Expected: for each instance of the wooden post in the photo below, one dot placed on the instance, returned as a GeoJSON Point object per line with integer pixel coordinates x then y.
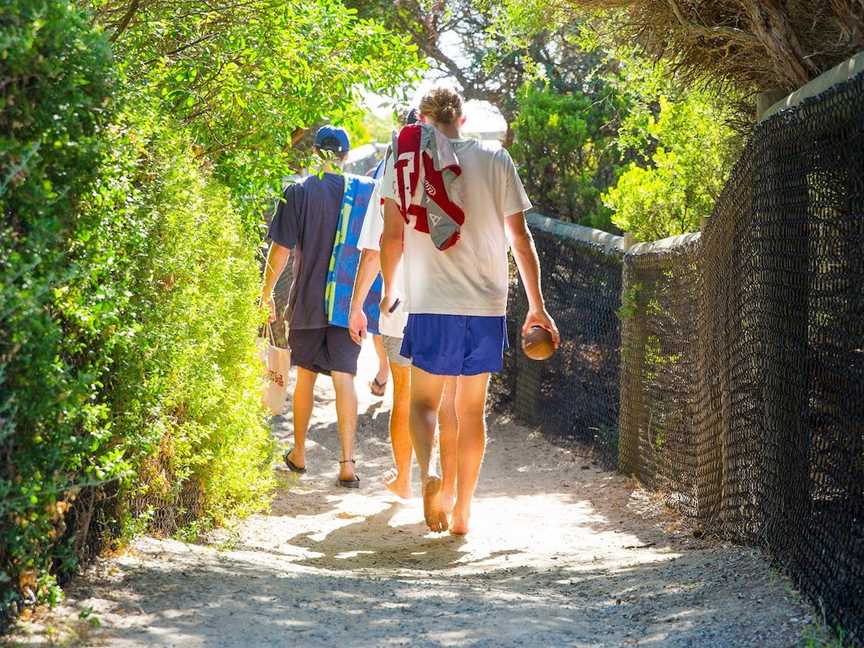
{"type": "Point", "coordinates": [764, 101]}
{"type": "Point", "coordinates": [629, 240]}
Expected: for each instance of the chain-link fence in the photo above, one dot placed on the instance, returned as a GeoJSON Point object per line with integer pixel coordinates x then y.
{"type": "Point", "coordinates": [658, 360]}
{"type": "Point", "coordinates": [741, 352]}
{"type": "Point", "coordinates": [574, 394]}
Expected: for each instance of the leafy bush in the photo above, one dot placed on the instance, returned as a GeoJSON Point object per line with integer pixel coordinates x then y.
{"type": "Point", "coordinates": [565, 152]}
{"type": "Point", "coordinates": [183, 277]}
{"type": "Point", "coordinates": [55, 77]}
{"type": "Point", "coordinates": [128, 377]}
{"type": "Point", "coordinates": [130, 193]}
{"type": "Point", "coordinates": [245, 78]}
{"type": "Point", "coordinates": [672, 188]}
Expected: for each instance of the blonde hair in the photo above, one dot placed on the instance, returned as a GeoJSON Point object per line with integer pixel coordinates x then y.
{"type": "Point", "coordinates": [441, 105]}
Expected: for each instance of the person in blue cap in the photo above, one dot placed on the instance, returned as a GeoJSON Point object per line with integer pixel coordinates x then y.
{"type": "Point", "coordinates": [305, 221]}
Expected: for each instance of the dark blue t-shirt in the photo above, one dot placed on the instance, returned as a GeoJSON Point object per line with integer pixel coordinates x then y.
{"type": "Point", "coordinates": [306, 221]}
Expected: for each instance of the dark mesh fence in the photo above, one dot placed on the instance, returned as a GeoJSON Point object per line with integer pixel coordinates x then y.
{"type": "Point", "coordinates": [574, 395]}
{"type": "Point", "coordinates": [659, 362]}
{"type": "Point", "coordinates": [741, 353]}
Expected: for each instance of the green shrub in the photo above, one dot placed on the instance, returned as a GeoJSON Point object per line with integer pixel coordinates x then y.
{"type": "Point", "coordinates": [677, 184]}
{"type": "Point", "coordinates": [184, 274]}
{"type": "Point", "coordinates": [131, 194]}
{"type": "Point", "coordinates": [128, 376]}
{"type": "Point", "coordinates": [565, 152]}
{"type": "Point", "coordinates": [244, 78]}
{"type": "Point", "coordinates": [55, 78]}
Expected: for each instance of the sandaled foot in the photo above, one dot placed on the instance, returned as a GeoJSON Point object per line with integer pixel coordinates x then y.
{"type": "Point", "coordinates": [347, 478]}
{"type": "Point", "coordinates": [377, 387]}
{"type": "Point", "coordinates": [399, 487]}
{"type": "Point", "coordinates": [289, 461]}
{"type": "Point", "coordinates": [433, 511]}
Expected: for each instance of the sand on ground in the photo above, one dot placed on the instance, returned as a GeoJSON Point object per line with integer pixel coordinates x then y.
{"type": "Point", "coordinates": [561, 553]}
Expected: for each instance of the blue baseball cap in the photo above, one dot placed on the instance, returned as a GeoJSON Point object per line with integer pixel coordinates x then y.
{"type": "Point", "coordinates": [332, 138]}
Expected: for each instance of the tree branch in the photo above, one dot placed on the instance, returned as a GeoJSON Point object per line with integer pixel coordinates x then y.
{"type": "Point", "coordinates": [125, 20]}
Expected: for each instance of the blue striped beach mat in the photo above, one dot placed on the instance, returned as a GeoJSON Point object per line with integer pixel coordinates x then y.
{"type": "Point", "coordinates": [346, 257]}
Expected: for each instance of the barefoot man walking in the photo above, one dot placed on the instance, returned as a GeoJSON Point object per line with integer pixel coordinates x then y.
{"type": "Point", "coordinates": [456, 293]}
{"type": "Point", "coordinates": [392, 327]}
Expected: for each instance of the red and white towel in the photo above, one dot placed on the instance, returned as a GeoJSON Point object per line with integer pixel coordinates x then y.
{"type": "Point", "coordinates": [428, 183]}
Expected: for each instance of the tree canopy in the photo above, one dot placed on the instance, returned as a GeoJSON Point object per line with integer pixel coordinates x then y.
{"type": "Point", "coordinates": [245, 78]}
{"type": "Point", "coordinates": [467, 40]}
{"type": "Point", "coordinates": [749, 45]}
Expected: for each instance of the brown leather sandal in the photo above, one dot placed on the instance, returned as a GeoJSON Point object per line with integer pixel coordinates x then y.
{"type": "Point", "coordinates": [349, 483]}
{"type": "Point", "coordinates": [301, 470]}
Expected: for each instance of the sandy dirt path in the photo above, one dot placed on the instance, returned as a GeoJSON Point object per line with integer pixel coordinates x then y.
{"type": "Point", "coordinates": [560, 554]}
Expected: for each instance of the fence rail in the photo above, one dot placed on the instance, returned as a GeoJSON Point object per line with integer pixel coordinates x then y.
{"type": "Point", "coordinates": [728, 367]}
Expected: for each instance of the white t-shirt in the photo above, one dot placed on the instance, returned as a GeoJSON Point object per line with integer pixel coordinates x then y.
{"type": "Point", "coordinates": [471, 277]}
{"type": "Point", "coordinates": [390, 324]}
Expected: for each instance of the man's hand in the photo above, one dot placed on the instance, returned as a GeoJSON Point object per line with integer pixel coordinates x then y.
{"type": "Point", "coordinates": [357, 325]}
{"type": "Point", "coordinates": [544, 320]}
{"type": "Point", "coordinates": [268, 303]}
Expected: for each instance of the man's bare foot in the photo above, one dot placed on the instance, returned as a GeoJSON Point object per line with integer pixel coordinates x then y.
{"type": "Point", "coordinates": [459, 521]}
{"type": "Point", "coordinates": [436, 518]}
{"type": "Point", "coordinates": [399, 487]}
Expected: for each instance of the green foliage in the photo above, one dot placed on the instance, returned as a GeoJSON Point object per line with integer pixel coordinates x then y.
{"type": "Point", "coordinates": [685, 153]}
{"type": "Point", "coordinates": [681, 146]}
{"type": "Point", "coordinates": [55, 78]}
{"type": "Point", "coordinates": [673, 147]}
{"type": "Point", "coordinates": [565, 151]}
{"type": "Point", "coordinates": [246, 78]}
{"type": "Point", "coordinates": [821, 635]}
{"type": "Point", "coordinates": [630, 301]}
{"type": "Point", "coordinates": [371, 128]}
{"type": "Point", "coordinates": [174, 259]}
{"type": "Point", "coordinates": [471, 42]}
{"type": "Point", "coordinates": [134, 368]}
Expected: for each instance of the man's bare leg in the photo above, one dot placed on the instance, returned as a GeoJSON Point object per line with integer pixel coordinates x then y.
{"type": "Point", "coordinates": [471, 409]}
{"type": "Point", "coordinates": [304, 389]}
{"type": "Point", "coordinates": [449, 443]}
{"type": "Point", "coordinates": [426, 392]}
{"type": "Point", "coordinates": [346, 420]}
{"type": "Point", "coordinates": [383, 361]}
{"type": "Point", "coordinates": [399, 480]}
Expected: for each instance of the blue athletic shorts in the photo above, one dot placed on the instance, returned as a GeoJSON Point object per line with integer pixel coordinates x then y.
{"type": "Point", "coordinates": [455, 345]}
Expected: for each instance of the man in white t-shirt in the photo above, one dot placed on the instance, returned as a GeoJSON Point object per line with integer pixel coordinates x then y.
{"type": "Point", "coordinates": [391, 326]}
{"type": "Point", "coordinates": [457, 300]}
